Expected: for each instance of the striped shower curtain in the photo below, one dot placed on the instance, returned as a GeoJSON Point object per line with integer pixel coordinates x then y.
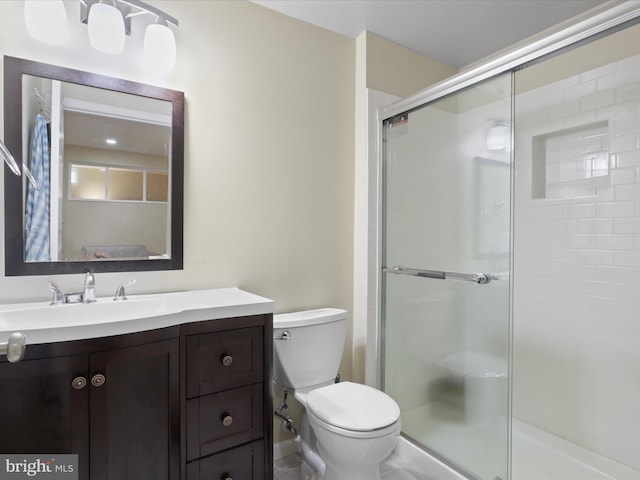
{"type": "Point", "coordinates": [37, 208]}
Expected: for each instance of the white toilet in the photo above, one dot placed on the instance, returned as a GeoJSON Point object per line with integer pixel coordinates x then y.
{"type": "Point", "coordinates": [353, 427]}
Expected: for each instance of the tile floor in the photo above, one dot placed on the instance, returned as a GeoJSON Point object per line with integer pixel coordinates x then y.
{"type": "Point", "coordinates": [288, 468]}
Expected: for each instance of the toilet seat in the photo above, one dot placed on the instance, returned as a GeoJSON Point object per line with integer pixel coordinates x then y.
{"type": "Point", "coordinates": [353, 407]}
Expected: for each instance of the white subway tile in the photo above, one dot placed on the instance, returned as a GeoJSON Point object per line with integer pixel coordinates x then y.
{"type": "Point", "coordinates": [627, 192]}
{"type": "Point", "coordinates": [595, 225]}
{"type": "Point", "coordinates": [581, 241]}
{"type": "Point", "coordinates": [596, 257]}
{"type": "Point", "coordinates": [628, 92]}
{"type": "Point", "coordinates": [619, 110]}
{"type": "Point", "coordinates": [624, 126]}
{"type": "Point", "coordinates": [627, 258]}
{"type": "Point", "coordinates": [627, 225]}
{"type": "Point", "coordinates": [628, 159]}
{"type": "Point", "coordinates": [614, 241]}
{"type": "Point", "coordinates": [579, 90]}
{"type": "Point", "coordinates": [597, 101]}
{"type": "Point", "coordinates": [615, 209]}
{"type": "Point", "coordinates": [564, 110]}
{"type": "Point", "coordinates": [599, 72]}
{"type": "Point", "coordinates": [622, 176]}
{"type": "Point", "coordinates": [623, 143]}
{"type": "Point", "coordinates": [621, 78]}
{"type": "Point", "coordinates": [628, 275]}
{"type": "Point", "coordinates": [584, 210]}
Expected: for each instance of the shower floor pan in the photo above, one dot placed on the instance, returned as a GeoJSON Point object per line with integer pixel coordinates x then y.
{"type": "Point", "coordinates": [536, 454]}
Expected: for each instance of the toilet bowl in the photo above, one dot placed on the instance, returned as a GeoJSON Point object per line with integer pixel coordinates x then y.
{"type": "Point", "coordinates": [356, 428]}
{"type": "Point", "coordinates": [347, 429]}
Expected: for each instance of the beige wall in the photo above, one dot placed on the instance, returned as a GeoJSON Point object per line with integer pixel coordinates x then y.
{"type": "Point", "coordinates": [269, 150]}
{"type": "Point", "coordinates": [394, 69]}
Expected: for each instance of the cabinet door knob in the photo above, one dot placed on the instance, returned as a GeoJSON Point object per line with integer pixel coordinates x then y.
{"type": "Point", "coordinates": [227, 420]}
{"type": "Point", "coordinates": [79, 383]}
{"type": "Point", "coordinates": [225, 476]}
{"type": "Point", "coordinates": [98, 380]}
{"type": "Point", "coordinates": [227, 360]}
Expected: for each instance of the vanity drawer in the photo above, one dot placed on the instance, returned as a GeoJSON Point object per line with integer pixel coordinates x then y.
{"type": "Point", "coordinates": [223, 360]}
{"type": "Point", "coordinates": [223, 420]}
{"type": "Point", "coordinates": [240, 463]}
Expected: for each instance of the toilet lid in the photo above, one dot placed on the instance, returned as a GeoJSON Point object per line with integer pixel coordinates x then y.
{"type": "Point", "coordinates": [353, 406]}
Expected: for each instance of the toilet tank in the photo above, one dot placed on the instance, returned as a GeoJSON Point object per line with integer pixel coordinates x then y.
{"type": "Point", "coordinates": [312, 354]}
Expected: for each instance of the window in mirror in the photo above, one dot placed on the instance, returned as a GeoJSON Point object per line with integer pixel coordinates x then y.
{"type": "Point", "coordinates": [107, 183]}
{"type": "Point", "coordinates": [125, 184]}
{"type": "Point", "coordinates": [87, 182]}
{"type": "Point", "coordinates": [157, 187]}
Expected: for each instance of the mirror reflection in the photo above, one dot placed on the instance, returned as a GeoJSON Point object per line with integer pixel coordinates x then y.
{"type": "Point", "coordinates": [107, 195]}
{"type": "Point", "coordinates": [103, 172]}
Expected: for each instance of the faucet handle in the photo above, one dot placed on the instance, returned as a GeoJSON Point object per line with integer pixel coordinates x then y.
{"type": "Point", "coordinates": [57, 297]}
{"type": "Point", "coordinates": [120, 293]}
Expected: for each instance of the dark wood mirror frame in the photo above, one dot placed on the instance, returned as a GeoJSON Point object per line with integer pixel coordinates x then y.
{"type": "Point", "coordinates": [14, 69]}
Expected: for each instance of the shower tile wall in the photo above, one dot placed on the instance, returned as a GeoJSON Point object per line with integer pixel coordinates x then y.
{"type": "Point", "coordinates": [577, 266]}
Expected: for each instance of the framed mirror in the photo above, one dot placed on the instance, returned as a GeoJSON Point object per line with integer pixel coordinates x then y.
{"type": "Point", "coordinates": [103, 170]}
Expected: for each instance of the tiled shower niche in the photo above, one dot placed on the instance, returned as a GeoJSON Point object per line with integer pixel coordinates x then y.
{"type": "Point", "coordinates": [571, 163]}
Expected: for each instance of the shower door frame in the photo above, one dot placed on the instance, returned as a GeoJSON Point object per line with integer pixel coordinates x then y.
{"type": "Point", "coordinates": [600, 20]}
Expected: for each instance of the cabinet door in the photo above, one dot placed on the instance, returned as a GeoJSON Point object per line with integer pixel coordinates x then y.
{"type": "Point", "coordinates": [135, 413]}
{"type": "Point", "coordinates": [41, 410]}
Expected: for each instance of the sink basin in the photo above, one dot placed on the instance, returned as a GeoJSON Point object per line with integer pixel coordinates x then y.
{"type": "Point", "coordinates": [44, 323]}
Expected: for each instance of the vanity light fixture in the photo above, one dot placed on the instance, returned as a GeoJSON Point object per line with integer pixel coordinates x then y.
{"type": "Point", "coordinates": [159, 46]}
{"type": "Point", "coordinates": [46, 20]}
{"type": "Point", "coordinates": [108, 24]}
{"type": "Point", "coordinates": [109, 21]}
{"type": "Point", "coordinates": [105, 25]}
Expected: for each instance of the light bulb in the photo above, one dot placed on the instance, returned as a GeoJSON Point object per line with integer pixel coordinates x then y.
{"type": "Point", "coordinates": [46, 20]}
{"type": "Point", "coordinates": [106, 28]}
{"type": "Point", "coordinates": [159, 48]}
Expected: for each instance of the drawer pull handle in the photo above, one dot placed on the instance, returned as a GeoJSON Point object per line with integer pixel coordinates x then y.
{"type": "Point", "coordinates": [227, 420]}
{"type": "Point", "coordinates": [79, 383]}
{"type": "Point", "coordinates": [98, 380]}
{"type": "Point", "coordinates": [227, 360]}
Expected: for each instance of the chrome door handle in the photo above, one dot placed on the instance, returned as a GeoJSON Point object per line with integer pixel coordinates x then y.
{"type": "Point", "coordinates": [285, 336]}
{"type": "Point", "coordinates": [14, 347]}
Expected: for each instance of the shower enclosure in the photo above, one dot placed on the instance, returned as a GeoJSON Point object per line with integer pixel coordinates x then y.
{"type": "Point", "coordinates": [510, 251]}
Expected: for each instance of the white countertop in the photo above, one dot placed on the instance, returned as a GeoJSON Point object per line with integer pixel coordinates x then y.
{"type": "Point", "coordinates": [44, 323]}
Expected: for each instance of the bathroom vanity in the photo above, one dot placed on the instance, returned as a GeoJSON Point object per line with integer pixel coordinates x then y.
{"type": "Point", "coordinates": [168, 386]}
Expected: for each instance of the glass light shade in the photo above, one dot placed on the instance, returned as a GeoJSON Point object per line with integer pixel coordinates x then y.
{"type": "Point", "coordinates": [106, 28]}
{"type": "Point", "coordinates": [46, 20]}
{"type": "Point", "coordinates": [159, 48]}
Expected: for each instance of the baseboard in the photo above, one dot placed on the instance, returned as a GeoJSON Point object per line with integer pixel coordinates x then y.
{"type": "Point", "coordinates": [285, 448]}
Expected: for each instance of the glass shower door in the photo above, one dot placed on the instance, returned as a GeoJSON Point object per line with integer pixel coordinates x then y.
{"type": "Point", "coordinates": [446, 259]}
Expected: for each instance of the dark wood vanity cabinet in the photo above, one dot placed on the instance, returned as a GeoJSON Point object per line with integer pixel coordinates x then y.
{"type": "Point", "coordinates": [186, 402]}
{"type": "Point", "coordinates": [227, 399]}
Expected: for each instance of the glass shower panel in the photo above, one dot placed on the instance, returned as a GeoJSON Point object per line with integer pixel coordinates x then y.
{"type": "Point", "coordinates": [446, 204]}
{"type": "Point", "coordinates": [576, 257]}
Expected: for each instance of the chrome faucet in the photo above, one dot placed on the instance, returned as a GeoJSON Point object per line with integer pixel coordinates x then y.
{"type": "Point", "coordinates": [89, 293]}
{"type": "Point", "coordinates": [120, 293]}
